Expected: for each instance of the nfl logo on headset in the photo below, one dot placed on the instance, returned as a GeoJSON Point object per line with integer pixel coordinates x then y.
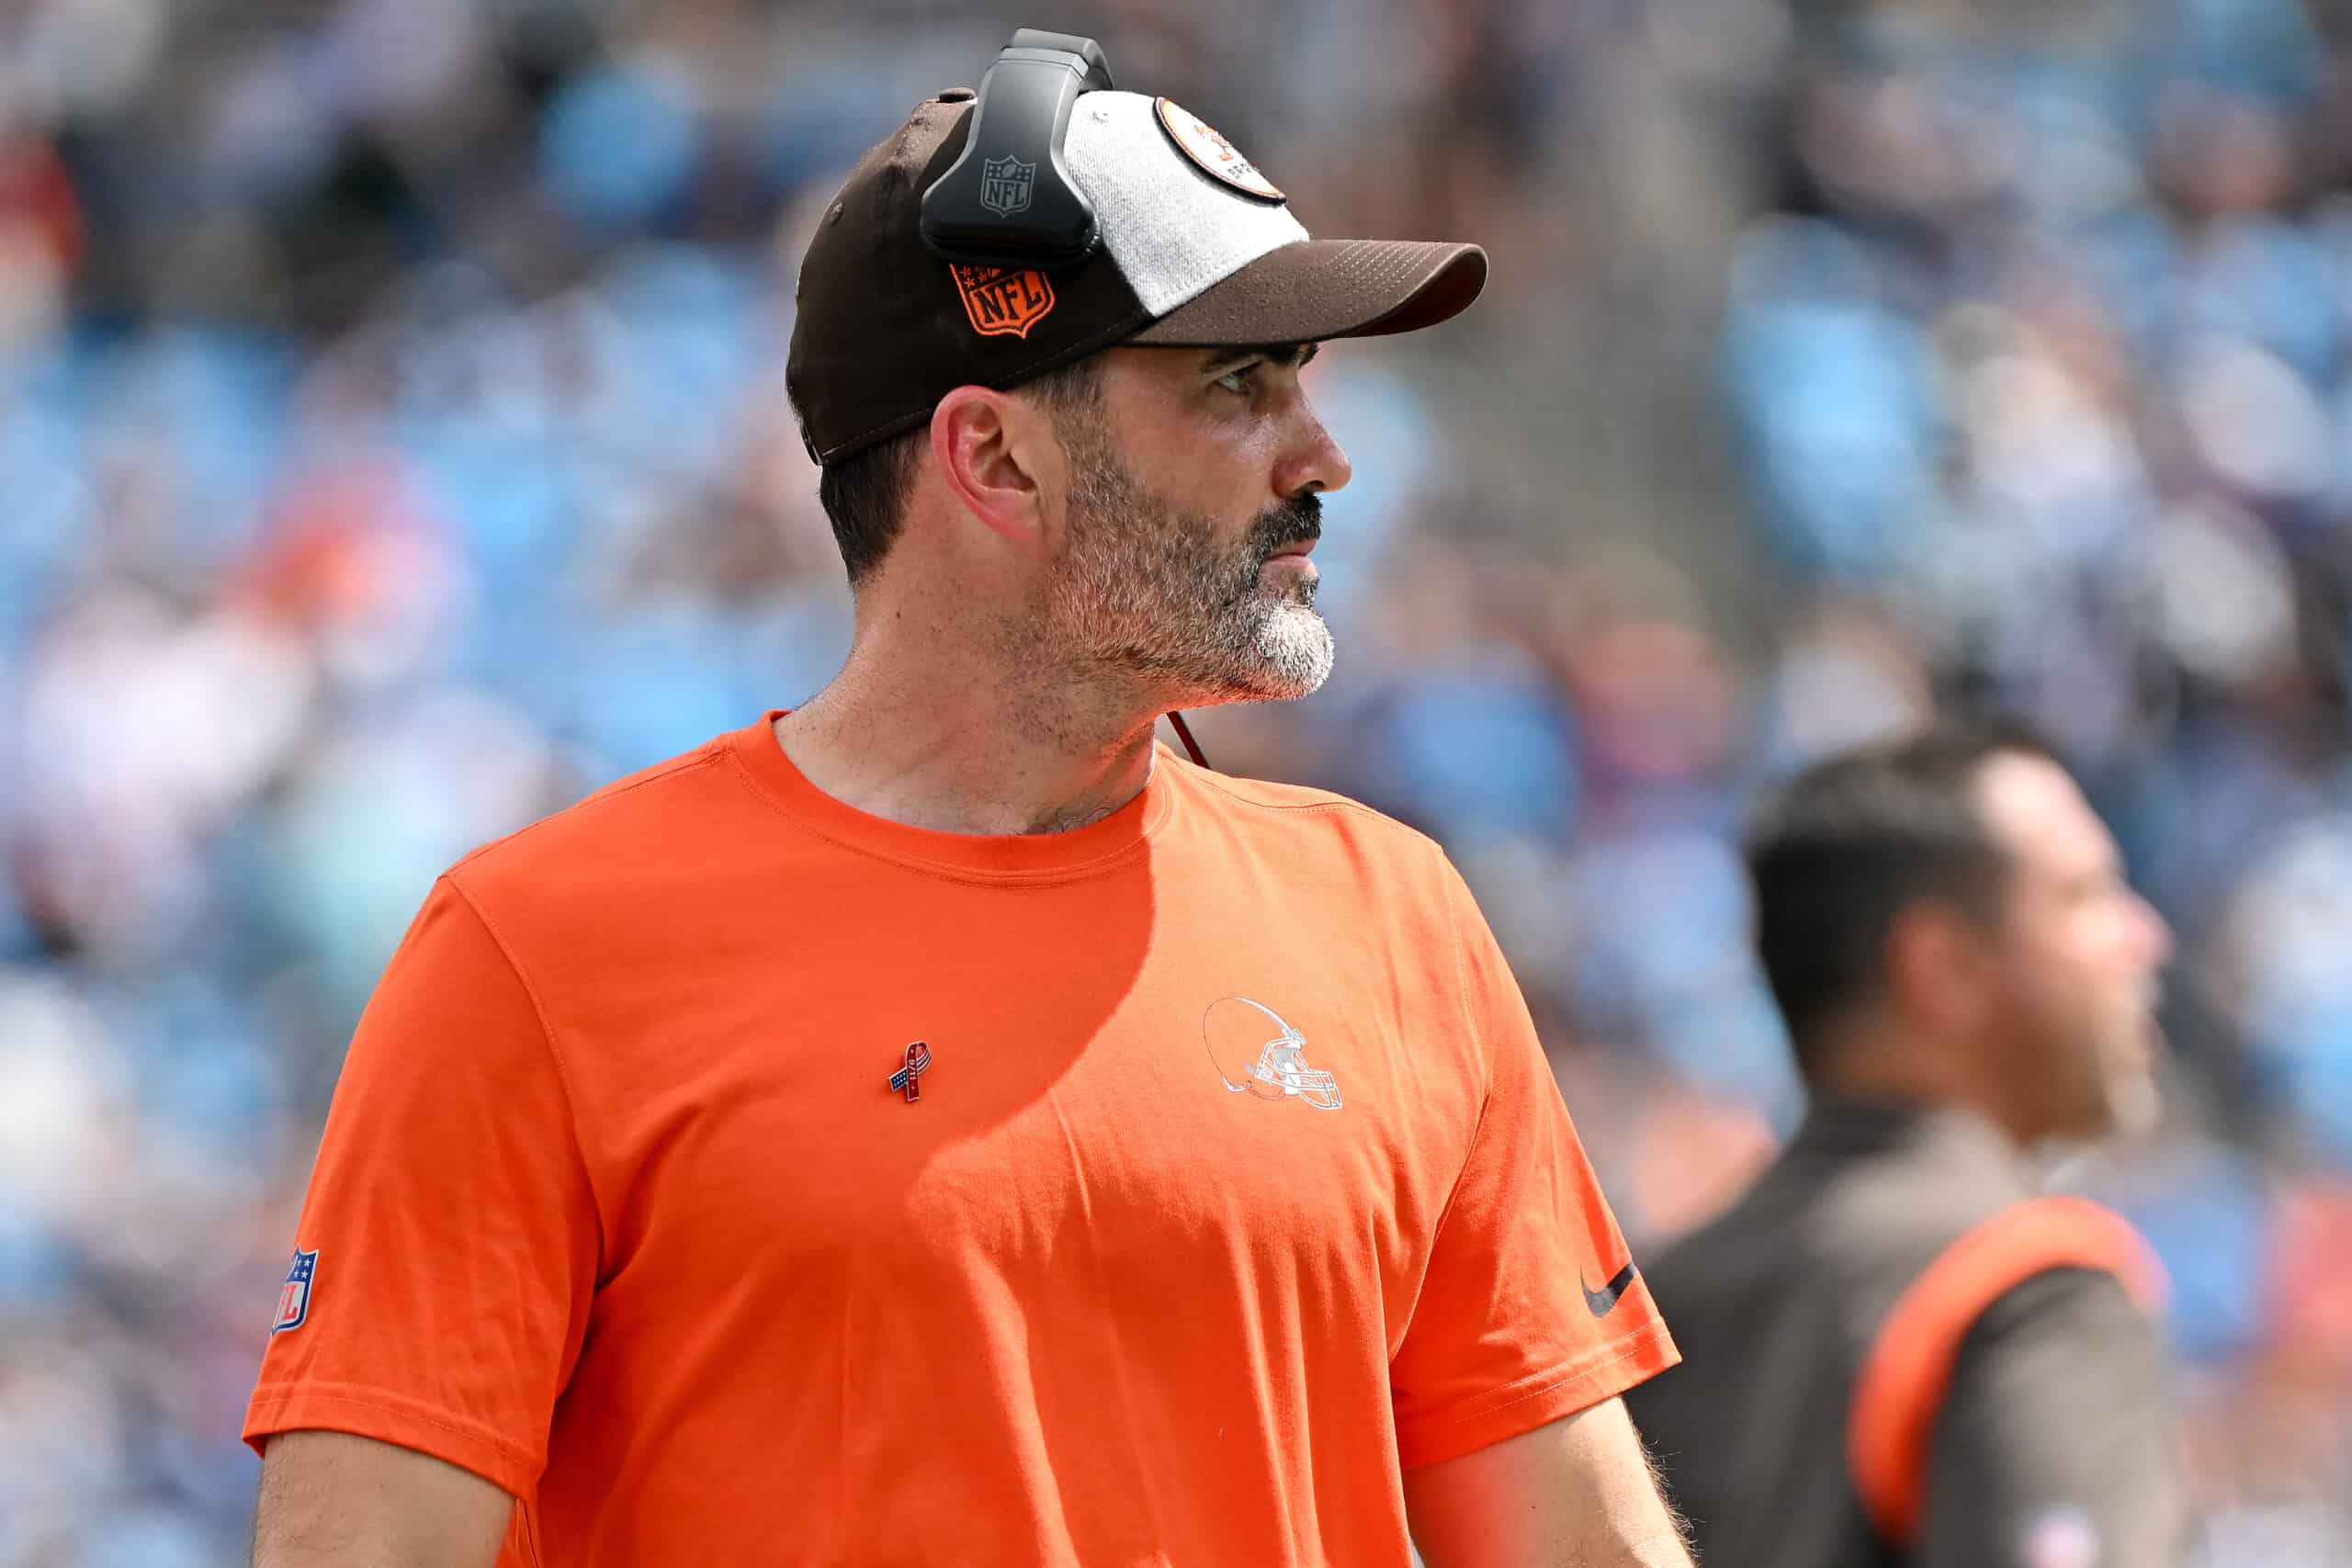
{"type": "Point", "coordinates": [294, 1300]}
{"type": "Point", "coordinates": [1005, 184]}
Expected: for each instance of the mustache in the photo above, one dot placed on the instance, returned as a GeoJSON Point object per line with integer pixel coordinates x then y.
{"type": "Point", "coordinates": [1298, 521]}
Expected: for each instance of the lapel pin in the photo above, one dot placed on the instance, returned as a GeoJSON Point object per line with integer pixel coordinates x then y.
{"type": "Point", "coordinates": [906, 1079]}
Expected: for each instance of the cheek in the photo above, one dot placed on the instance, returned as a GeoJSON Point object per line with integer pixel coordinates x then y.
{"type": "Point", "coordinates": [2097, 952]}
{"type": "Point", "coordinates": [2052, 975]}
{"type": "Point", "coordinates": [1221, 469]}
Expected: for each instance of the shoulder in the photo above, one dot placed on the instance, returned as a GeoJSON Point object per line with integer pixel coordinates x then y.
{"type": "Point", "coordinates": [1855, 1223]}
{"type": "Point", "coordinates": [1236, 793]}
{"type": "Point", "coordinates": [1885, 1211]}
{"type": "Point", "coordinates": [2060, 1392]}
{"type": "Point", "coordinates": [1307, 835]}
{"type": "Point", "coordinates": [675, 812]}
{"type": "Point", "coordinates": [2046, 1257]}
{"type": "Point", "coordinates": [2027, 1348]}
{"type": "Point", "coordinates": [2017, 1310]}
{"type": "Point", "coordinates": [2099, 1307]}
{"type": "Point", "coordinates": [1303, 816]}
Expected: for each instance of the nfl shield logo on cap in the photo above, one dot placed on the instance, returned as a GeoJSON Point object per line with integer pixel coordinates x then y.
{"type": "Point", "coordinates": [294, 1300]}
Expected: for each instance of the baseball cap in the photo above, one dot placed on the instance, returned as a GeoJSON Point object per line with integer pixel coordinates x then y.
{"type": "Point", "coordinates": [1197, 248]}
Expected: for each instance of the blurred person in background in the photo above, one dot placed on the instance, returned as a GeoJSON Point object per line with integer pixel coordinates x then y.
{"type": "Point", "coordinates": [807, 1150]}
{"type": "Point", "coordinates": [1900, 1353]}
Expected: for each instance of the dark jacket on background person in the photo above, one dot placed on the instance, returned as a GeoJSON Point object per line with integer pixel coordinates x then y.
{"type": "Point", "coordinates": [1897, 1354]}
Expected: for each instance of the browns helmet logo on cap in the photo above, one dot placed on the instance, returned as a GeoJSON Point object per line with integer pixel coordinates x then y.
{"type": "Point", "coordinates": [1206, 147]}
{"type": "Point", "coordinates": [1002, 302]}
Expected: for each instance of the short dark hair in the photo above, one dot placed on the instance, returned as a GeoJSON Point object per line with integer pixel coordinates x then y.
{"type": "Point", "coordinates": [1845, 847]}
{"type": "Point", "coordinates": [865, 494]}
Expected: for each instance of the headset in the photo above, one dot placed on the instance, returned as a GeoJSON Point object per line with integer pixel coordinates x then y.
{"type": "Point", "coordinates": [1008, 199]}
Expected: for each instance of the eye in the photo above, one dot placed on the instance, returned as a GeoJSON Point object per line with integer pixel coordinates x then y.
{"type": "Point", "coordinates": [1242, 379]}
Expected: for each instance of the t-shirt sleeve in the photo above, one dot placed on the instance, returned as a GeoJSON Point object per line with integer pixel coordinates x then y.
{"type": "Point", "coordinates": [447, 1248]}
{"type": "Point", "coordinates": [1530, 1309]}
{"type": "Point", "coordinates": [2056, 1441]}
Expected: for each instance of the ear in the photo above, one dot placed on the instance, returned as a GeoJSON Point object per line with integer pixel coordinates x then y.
{"type": "Point", "coordinates": [1936, 970]}
{"type": "Point", "coordinates": [991, 448]}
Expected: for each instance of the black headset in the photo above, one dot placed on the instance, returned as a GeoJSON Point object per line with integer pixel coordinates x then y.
{"type": "Point", "coordinates": [1009, 200]}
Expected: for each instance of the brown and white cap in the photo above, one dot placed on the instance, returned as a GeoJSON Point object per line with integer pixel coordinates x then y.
{"type": "Point", "coordinates": [1197, 249]}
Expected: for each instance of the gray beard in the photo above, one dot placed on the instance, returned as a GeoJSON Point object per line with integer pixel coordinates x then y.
{"type": "Point", "coordinates": [1147, 590]}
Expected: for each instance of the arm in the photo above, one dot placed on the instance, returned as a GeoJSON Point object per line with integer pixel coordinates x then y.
{"type": "Point", "coordinates": [2057, 1425]}
{"type": "Point", "coordinates": [1579, 1493]}
{"type": "Point", "coordinates": [328, 1498]}
{"type": "Point", "coordinates": [1515, 1447]}
{"type": "Point", "coordinates": [447, 1258]}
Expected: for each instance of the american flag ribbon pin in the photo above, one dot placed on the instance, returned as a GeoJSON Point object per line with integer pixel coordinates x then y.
{"type": "Point", "coordinates": [907, 1080]}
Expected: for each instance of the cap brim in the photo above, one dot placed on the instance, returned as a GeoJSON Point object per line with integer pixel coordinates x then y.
{"type": "Point", "coordinates": [1314, 289]}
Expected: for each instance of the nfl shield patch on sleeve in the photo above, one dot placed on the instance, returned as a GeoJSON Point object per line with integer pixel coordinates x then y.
{"type": "Point", "coordinates": [294, 1300]}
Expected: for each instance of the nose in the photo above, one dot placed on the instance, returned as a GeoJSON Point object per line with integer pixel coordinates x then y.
{"type": "Point", "coordinates": [2155, 934]}
{"type": "Point", "coordinates": [1312, 462]}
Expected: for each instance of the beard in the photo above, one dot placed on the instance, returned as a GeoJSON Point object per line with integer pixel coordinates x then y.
{"type": "Point", "coordinates": [2087, 1064]}
{"type": "Point", "coordinates": [2133, 1102]}
{"type": "Point", "coordinates": [1150, 592]}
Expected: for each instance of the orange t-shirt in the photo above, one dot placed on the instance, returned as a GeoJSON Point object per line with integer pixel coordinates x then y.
{"type": "Point", "coordinates": [1233, 1184]}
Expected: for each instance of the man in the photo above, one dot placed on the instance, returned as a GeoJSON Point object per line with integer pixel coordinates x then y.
{"type": "Point", "coordinates": [1903, 1356]}
{"type": "Point", "coordinates": [934, 1124]}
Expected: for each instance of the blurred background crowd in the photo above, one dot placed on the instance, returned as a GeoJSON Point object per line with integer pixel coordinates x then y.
{"type": "Point", "coordinates": [393, 448]}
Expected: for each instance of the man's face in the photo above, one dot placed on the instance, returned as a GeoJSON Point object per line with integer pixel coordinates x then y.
{"type": "Point", "coordinates": [2079, 954]}
{"type": "Point", "coordinates": [1191, 505]}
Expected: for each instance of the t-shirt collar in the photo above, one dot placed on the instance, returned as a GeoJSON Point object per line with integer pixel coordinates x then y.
{"type": "Point", "coordinates": [1081, 851]}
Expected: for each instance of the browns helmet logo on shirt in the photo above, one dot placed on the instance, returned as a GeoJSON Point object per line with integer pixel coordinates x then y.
{"type": "Point", "coordinates": [1248, 1062]}
{"type": "Point", "coordinates": [1000, 301]}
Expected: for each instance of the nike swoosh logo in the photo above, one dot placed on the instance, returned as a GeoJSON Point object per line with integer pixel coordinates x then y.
{"type": "Point", "coordinates": [1602, 1302]}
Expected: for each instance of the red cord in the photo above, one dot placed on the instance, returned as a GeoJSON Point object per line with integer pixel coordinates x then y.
{"type": "Point", "coordinates": [1185, 735]}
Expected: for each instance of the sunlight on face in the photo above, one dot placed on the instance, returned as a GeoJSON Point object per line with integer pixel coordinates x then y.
{"type": "Point", "coordinates": [1168, 595]}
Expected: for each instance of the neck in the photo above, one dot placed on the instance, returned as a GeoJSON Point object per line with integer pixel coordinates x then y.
{"type": "Point", "coordinates": [1887, 1063]}
{"type": "Point", "coordinates": [932, 726]}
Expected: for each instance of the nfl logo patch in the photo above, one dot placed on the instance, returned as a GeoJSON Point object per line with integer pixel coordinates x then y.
{"type": "Point", "coordinates": [294, 1300]}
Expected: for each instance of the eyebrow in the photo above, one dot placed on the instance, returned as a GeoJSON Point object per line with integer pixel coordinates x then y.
{"type": "Point", "coordinates": [1288, 355]}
